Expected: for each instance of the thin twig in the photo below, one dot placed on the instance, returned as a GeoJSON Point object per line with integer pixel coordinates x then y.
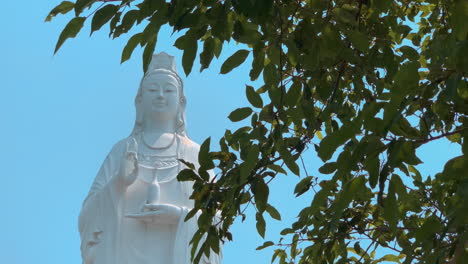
{"type": "Point", "coordinates": [440, 136]}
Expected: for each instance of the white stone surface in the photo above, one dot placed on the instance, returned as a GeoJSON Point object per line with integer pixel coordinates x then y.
{"type": "Point", "coordinates": [134, 212]}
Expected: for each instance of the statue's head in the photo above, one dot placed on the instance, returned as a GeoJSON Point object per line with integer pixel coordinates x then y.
{"type": "Point", "coordinates": [161, 95]}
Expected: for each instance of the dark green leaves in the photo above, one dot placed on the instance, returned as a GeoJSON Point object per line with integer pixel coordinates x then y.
{"type": "Point", "coordinates": [234, 61]}
{"type": "Point", "coordinates": [62, 8]}
{"type": "Point", "coordinates": [250, 162]}
{"type": "Point", "coordinates": [459, 13]}
{"type": "Point", "coordinates": [303, 186]}
{"type": "Point", "coordinates": [102, 16]}
{"type": "Point", "coordinates": [431, 226]}
{"type": "Point", "coordinates": [240, 114]}
{"type": "Point", "coordinates": [131, 45]}
{"type": "Point", "coordinates": [359, 40]}
{"type": "Point", "coordinates": [334, 67]}
{"type": "Point", "coordinates": [187, 175]}
{"type": "Point", "coordinates": [253, 97]}
{"type": "Point", "coordinates": [208, 53]}
{"type": "Point", "coordinates": [190, 52]}
{"type": "Point", "coordinates": [261, 225]}
{"type": "Point", "coordinates": [265, 245]}
{"type": "Point", "coordinates": [204, 157]}
{"type": "Point", "coordinates": [331, 142]}
{"type": "Point", "coordinates": [261, 192]}
{"type": "Point", "coordinates": [273, 212]}
{"type": "Point", "coordinates": [328, 168]}
{"type": "Point", "coordinates": [403, 151]}
{"type": "Point", "coordinates": [70, 31]}
{"type": "Point", "coordinates": [189, 44]}
{"type": "Point", "coordinates": [80, 5]}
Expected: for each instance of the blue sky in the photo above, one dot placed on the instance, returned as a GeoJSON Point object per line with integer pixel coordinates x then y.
{"type": "Point", "coordinates": [60, 115]}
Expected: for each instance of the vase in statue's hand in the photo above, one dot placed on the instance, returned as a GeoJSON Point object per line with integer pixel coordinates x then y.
{"type": "Point", "coordinates": [153, 193]}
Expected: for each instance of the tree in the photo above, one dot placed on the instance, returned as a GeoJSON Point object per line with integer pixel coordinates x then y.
{"type": "Point", "coordinates": [379, 79]}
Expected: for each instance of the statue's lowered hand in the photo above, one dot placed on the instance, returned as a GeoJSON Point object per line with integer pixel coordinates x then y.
{"type": "Point", "coordinates": [158, 214]}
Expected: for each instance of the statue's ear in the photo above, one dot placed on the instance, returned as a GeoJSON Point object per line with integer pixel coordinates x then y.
{"type": "Point", "coordinates": [138, 99]}
{"type": "Point", "coordinates": [183, 101]}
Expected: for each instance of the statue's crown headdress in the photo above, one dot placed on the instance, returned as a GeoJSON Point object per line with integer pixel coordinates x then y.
{"type": "Point", "coordinates": [162, 61]}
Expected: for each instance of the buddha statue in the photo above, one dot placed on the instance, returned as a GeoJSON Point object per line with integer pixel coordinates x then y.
{"type": "Point", "coordinates": [135, 210]}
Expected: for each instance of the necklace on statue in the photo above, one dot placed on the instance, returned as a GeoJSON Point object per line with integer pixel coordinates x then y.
{"type": "Point", "coordinates": [159, 148]}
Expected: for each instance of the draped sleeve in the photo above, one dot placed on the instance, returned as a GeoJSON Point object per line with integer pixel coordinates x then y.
{"type": "Point", "coordinates": [100, 214]}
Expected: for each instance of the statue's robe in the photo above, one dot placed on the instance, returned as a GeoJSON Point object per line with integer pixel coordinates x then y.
{"type": "Point", "coordinates": [108, 237]}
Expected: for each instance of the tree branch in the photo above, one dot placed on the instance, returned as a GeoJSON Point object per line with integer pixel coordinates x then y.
{"type": "Point", "coordinates": [440, 136]}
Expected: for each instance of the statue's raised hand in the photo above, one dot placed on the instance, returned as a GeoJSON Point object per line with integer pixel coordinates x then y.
{"type": "Point", "coordinates": [129, 164]}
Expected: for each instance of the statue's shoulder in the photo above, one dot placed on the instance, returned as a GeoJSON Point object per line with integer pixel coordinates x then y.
{"type": "Point", "coordinates": [189, 144]}
{"type": "Point", "coordinates": [120, 146]}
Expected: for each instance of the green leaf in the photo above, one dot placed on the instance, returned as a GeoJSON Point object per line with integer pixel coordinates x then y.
{"type": "Point", "coordinates": [372, 166]}
{"type": "Point", "coordinates": [261, 193]}
{"type": "Point", "coordinates": [190, 52]}
{"type": "Point", "coordinates": [204, 158]}
{"type": "Point", "coordinates": [391, 212]}
{"type": "Point", "coordinates": [265, 245]}
{"type": "Point", "coordinates": [260, 224]}
{"type": "Point", "coordinates": [129, 20]}
{"type": "Point", "coordinates": [303, 186]}
{"type": "Point", "coordinates": [70, 31]}
{"type": "Point", "coordinates": [80, 5]}
{"type": "Point", "coordinates": [403, 151]}
{"type": "Point", "coordinates": [187, 175]}
{"type": "Point", "coordinates": [431, 226]}
{"type": "Point", "coordinates": [190, 214]}
{"type": "Point", "coordinates": [294, 93]}
{"type": "Point", "coordinates": [390, 257]}
{"type": "Point", "coordinates": [240, 114]}
{"type": "Point", "coordinates": [254, 98]}
{"type": "Point", "coordinates": [188, 164]}
{"type": "Point", "coordinates": [350, 190]}
{"type": "Point", "coordinates": [131, 45]}
{"type": "Point", "coordinates": [148, 53]}
{"type": "Point", "coordinates": [207, 54]}
{"type": "Point", "coordinates": [234, 61]}
{"type": "Point", "coordinates": [328, 168]}
{"type": "Point", "coordinates": [277, 168]}
{"type": "Point", "coordinates": [273, 212]}
{"type": "Point", "coordinates": [287, 158]}
{"type": "Point", "coordinates": [218, 47]}
{"type": "Point", "coordinates": [62, 8]}
{"type": "Point", "coordinates": [455, 138]}
{"type": "Point", "coordinates": [458, 19]}
{"type": "Point", "coordinates": [320, 197]}
{"type": "Point", "coordinates": [102, 16]}
{"type": "Point", "coordinates": [331, 142]}
{"type": "Point", "coordinates": [250, 161]}
{"type": "Point", "coordinates": [359, 40]}
{"type": "Point", "coordinates": [257, 63]}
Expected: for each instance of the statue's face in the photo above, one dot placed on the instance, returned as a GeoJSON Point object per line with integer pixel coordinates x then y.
{"type": "Point", "coordinates": [160, 95]}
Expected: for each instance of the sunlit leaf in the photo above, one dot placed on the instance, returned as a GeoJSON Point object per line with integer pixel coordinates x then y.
{"type": "Point", "coordinates": [70, 31]}
{"type": "Point", "coordinates": [62, 8]}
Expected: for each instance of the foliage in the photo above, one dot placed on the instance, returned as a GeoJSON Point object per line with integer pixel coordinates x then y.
{"type": "Point", "coordinates": [379, 79]}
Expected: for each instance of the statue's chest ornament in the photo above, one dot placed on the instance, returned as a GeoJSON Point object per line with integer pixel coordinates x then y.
{"type": "Point", "coordinates": [157, 168]}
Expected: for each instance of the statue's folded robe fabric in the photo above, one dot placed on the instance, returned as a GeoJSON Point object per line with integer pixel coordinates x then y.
{"type": "Point", "coordinates": [108, 237]}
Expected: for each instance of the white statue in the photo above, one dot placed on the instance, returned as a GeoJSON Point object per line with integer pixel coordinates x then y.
{"type": "Point", "coordinates": [135, 210]}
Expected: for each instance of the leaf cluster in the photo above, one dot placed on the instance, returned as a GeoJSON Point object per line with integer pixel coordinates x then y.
{"type": "Point", "coordinates": [364, 83]}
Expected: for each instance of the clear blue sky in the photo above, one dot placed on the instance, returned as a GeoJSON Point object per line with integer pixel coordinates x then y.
{"type": "Point", "coordinates": [60, 115]}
